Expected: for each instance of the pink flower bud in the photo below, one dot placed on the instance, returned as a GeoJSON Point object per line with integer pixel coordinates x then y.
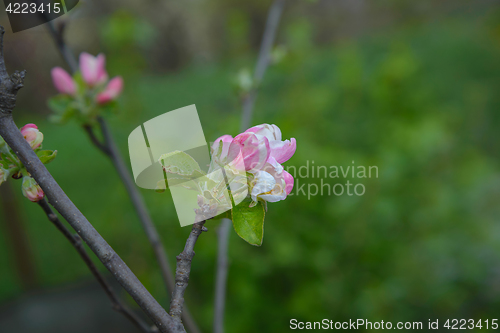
{"type": "Point", "coordinates": [93, 68]}
{"type": "Point", "coordinates": [254, 151]}
{"type": "Point", "coordinates": [32, 190]}
{"type": "Point", "coordinates": [63, 82]}
{"type": "Point", "coordinates": [112, 91]}
{"type": "Point", "coordinates": [32, 135]}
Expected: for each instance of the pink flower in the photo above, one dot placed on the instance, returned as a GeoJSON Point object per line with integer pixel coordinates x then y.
{"type": "Point", "coordinates": [282, 151]}
{"type": "Point", "coordinates": [93, 68]}
{"type": "Point", "coordinates": [32, 135]}
{"type": "Point", "coordinates": [63, 82]}
{"type": "Point", "coordinates": [254, 151]}
{"type": "Point", "coordinates": [112, 91]}
{"type": "Point", "coordinates": [32, 190]}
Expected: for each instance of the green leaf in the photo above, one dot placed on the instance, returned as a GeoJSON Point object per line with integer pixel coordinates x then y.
{"type": "Point", "coordinates": [46, 156]}
{"type": "Point", "coordinates": [248, 222]}
{"type": "Point", "coordinates": [60, 103]}
{"type": "Point", "coordinates": [64, 108]}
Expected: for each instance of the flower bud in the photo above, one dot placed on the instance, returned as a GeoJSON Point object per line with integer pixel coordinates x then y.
{"type": "Point", "coordinates": [112, 91]}
{"type": "Point", "coordinates": [32, 135]}
{"type": "Point", "coordinates": [32, 190]}
{"type": "Point", "coordinates": [63, 82]}
{"type": "Point", "coordinates": [93, 68]}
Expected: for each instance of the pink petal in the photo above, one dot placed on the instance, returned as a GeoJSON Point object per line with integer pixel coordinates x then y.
{"type": "Point", "coordinates": [25, 127]}
{"type": "Point", "coordinates": [288, 181]}
{"type": "Point", "coordinates": [112, 91]}
{"type": "Point", "coordinates": [63, 82]}
{"type": "Point", "coordinates": [102, 75]}
{"type": "Point", "coordinates": [271, 132]}
{"type": "Point", "coordinates": [255, 152]}
{"type": "Point", "coordinates": [282, 151]}
{"type": "Point", "coordinates": [225, 140]}
{"type": "Point", "coordinates": [93, 68]}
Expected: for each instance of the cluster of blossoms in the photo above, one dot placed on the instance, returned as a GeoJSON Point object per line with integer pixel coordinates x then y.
{"type": "Point", "coordinates": [260, 150]}
{"type": "Point", "coordinates": [87, 90]}
{"type": "Point", "coordinates": [10, 166]}
{"type": "Point", "coordinates": [248, 165]}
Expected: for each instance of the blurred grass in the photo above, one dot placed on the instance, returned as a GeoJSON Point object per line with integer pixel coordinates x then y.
{"type": "Point", "coordinates": [420, 103]}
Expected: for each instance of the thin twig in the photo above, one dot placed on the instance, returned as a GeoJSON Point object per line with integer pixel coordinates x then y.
{"type": "Point", "coordinates": [110, 149]}
{"type": "Point", "coordinates": [221, 274]}
{"type": "Point", "coordinates": [272, 23]}
{"type": "Point", "coordinates": [183, 269]}
{"type": "Point", "coordinates": [76, 241]}
{"type": "Point", "coordinates": [93, 138]}
{"type": "Point", "coordinates": [9, 86]}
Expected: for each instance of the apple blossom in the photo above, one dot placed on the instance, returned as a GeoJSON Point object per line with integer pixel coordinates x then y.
{"type": "Point", "coordinates": [32, 190]}
{"type": "Point", "coordinates": [93, 68]}
{"type": "Point", "coordinates": [112, 91]}
{"type": "Point", "coordinates": [32, 135]}
{"type": "Point", "coordinates": [261, 150]}
{"type": "Point", "coordinates": [63, 82]}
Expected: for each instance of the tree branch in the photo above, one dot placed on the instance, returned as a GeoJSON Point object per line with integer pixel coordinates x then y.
{"type": "Point", "coordinates": [183, 269]}
{"type": "Point", "coordinates": [221, 274]}
{"type": "Point", "coordinates": [9, 86]}
{"type": "Point", "coordinates": [109, 148]}
{"type": "Point", "coordinates": [76, 241]}
{"type": "Point", "coordinates": [272, 23]}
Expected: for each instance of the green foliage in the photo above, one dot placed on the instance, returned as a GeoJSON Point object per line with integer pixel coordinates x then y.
{"type": "Point", "coordinates": [46, 156]}
{"type": "Point", "coordinates": [248, 222]}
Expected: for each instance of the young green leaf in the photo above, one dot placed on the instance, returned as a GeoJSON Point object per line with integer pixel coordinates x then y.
{"type": "Point", "coordinates": [248, 222]}
{"type": "Point", "coordinates": [46, 156]}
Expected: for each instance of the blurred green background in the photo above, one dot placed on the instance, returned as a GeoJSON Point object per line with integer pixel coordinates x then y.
{"type": "Point", "coordinates": [409, 87]}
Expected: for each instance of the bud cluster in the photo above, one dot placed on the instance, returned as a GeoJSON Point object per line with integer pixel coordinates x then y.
{"type": "Point", "coordinates": [11, 166]}
{"type": "Point", "coordinates": [87, 93]}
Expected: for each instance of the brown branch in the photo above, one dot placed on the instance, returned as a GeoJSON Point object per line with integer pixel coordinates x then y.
{"type": "Point", "coordinates": [9, 86]}
{"type": "Point", "coordinates": [183, 270]}
{"type": "Point", "coordinates": [76, 241]}
{"type": "Point", "coordinates": [109, 148]}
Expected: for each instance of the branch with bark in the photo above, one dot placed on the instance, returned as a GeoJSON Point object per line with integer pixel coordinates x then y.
{"type": "Point", "coordinates": [76, 241]}
{"type": "Point", "coordinates": [183, 270]}
{"type": "Point", "coordinates": [9, 86]}
{"type": "Point", "coordinates": [110, 149]}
